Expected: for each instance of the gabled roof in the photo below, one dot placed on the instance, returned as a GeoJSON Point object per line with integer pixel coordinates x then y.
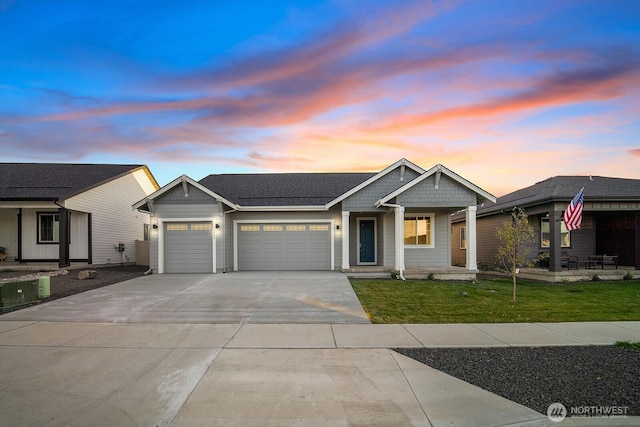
{"type": "Point", "coordinates": [181, 180]}
{"type": "Point", "coordinates": [57, 181]}
{"type": "Point", "coordinates": [437, 169]}
{"type": "Point", "coordinates": [564, 188]}
{"type": "Point", "coordinates": [283, 189]}
{"type": "Point", "coordinates": [374, 177]}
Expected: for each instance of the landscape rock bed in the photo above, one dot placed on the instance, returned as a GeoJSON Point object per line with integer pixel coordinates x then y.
{"type": "Point", "coordinates": [576, 376]}
{"type": "Point", "coordinates": [65, 282]}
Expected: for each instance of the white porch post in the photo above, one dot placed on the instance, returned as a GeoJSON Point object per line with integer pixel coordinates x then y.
{"type": "Point", "coordinates": [472, 262]}
{"type": "Point", "coordinates": [399, 237]}
{"type": "Point", "coordinates": [345, 240]}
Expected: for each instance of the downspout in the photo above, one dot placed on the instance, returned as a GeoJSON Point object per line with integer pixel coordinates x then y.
{"type": "Point", "coordinates": [399, 208]}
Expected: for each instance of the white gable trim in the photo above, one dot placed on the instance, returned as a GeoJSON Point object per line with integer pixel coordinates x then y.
{"type": "Point", "coordinates": [400, 163]}
{"type": "Point", "coordinates": [183, 180]}
{"type": "Point", "coordinates": [437, 169]}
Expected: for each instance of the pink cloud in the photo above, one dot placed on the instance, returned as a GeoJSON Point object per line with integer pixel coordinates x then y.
{"type": "Point", "coordinates": [635, 152]}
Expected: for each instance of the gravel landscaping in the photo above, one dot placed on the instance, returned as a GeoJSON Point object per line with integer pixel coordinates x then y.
{"type": "Point", "coordinates": [576, 376]}
{"type": "Point", "coordinates": [65, 282]}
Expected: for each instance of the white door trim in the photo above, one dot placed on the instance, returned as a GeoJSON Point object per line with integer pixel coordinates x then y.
{"type": "Point", "coordinates": [375, 239]}
{"type": "Point", "coordinates": [162, 221]}
{"type": "Point", "coordinates": [331, 222]}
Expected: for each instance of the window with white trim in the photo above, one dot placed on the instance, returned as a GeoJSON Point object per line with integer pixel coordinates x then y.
{"type": "Point", "coordinates": [463, 237]}
{"type": "Point", "coordinates": [418, 230]}
{"type": "Point", "coordinates": [48, 227]}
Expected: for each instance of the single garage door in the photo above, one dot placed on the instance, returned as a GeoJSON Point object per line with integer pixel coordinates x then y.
{"type": "Point", "coordinates": [284, 246]}
{"type": "Point", "coordinates": [188, 247]}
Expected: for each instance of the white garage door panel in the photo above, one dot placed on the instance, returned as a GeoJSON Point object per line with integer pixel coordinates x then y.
{"type": "Point", "coordinates": [284, 246]}
{"type": "Point", "coordinates": [188, 247]}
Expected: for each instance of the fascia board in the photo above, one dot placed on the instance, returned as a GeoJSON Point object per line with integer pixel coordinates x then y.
{"type": "Point", "coordinates": [178, 181]}
{"type": "Point", "coordinates": [280, 208]}
{"type": "Point", "coordinates": [374, 178]}
{"type": "Point", "coordinates": [433, 170]}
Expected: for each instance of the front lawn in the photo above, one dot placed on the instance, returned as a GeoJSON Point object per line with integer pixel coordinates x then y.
{"type": "Point", "coordinates": [489, 301]}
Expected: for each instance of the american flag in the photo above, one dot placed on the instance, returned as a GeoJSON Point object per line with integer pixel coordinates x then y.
{"type": "Point", "coordinates": [573, 214]}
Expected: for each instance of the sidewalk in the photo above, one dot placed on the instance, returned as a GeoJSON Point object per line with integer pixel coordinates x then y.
{"type": "Point", "coordinates": [86, 374]}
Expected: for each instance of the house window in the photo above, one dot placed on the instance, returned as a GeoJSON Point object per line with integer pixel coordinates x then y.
{"type": "Point", "coordinates": [545, 234]}
{"type": "Point", "coordinates": [463, 237]}
{"type": "Point", "coordinates": [48, 228]}
{"type": "Point", "coordinates": [418, 230]}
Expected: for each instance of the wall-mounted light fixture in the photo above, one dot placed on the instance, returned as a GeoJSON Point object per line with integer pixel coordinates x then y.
{"type": "Point", "coordinates": [338, 227]}
{"type": "Point", "coordinates": [217, 225]}
{"type": "Point", "coordinates": [154, 226]}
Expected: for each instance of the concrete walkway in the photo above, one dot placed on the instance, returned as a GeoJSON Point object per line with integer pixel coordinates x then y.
{"type": "Point", "coordinates": [126, 374]}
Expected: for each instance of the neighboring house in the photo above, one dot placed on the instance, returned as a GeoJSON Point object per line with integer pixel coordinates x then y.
{"type": "Point", "coordinates": [72, 212]}
{"type": "Point", "coordinates": [610, 225]}
{"type": "Point", "coordinates": [399, 218]}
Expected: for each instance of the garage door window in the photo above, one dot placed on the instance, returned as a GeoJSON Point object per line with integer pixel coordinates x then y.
{"type": "Point", "coordinates": [297, 227]}
{"type": "Point", "coordinates": [319, 227]}
{"type": "Point", "coordinates": [177, 227]}
{"type": "Point", "coordinates": [272, 228]}
{"type": "Point", "coordinates": [201, 227]}
{"type": "Point", "coordinates": [249, 228]}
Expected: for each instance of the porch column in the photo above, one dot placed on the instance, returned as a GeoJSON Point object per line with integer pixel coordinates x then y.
{"type": "Point", "coordinates": [399, 237]}
{"type": "Point", "coordinates": [472, 263]}
{"type": "Point", "coordinates": [555, 240]}
{"type": "Point", "coordinates": [63, 238]}
{"type": "Point", "coordinates": [345, 240]}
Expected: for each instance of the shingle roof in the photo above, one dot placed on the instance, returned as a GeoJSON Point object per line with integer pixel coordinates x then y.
{"type": "Point", "coordinates": [49, 181]}
{"type": "Point", "coordinates": [285, 189]}
{"type": "Point", "coordinates": [564, 188]}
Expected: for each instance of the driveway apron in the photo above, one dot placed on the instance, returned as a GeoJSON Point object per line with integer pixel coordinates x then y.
{"type": "Point", "coordinates": [240, 297]}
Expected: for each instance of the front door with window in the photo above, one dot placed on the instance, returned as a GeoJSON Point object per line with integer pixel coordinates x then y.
{"type": "Point", "coordinates": [367, 241]}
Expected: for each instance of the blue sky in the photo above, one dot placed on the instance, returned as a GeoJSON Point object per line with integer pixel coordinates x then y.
{"type": "Point", "coordinates": [505, 93]}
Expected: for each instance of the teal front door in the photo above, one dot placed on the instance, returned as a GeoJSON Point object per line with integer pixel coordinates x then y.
{"type": "Point", "coordinates": [367, 238]}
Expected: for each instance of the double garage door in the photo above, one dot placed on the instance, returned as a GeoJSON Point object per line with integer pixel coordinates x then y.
{"type": "Point", "coordinates": [284, 246]}
{"type": "Point", "coordinates": [188, 247]}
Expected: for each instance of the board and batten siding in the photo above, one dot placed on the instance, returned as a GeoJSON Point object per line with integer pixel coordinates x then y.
{"type": "Point", "coordinates": [112, 218]}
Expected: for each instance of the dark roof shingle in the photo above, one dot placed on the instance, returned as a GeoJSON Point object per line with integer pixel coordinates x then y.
{"type": "Point", "coordinates": [283, 189]}
{"type": "Point", "coordinates": [564, 188]}
{"type": "Point", "coordinates": [59, 181]}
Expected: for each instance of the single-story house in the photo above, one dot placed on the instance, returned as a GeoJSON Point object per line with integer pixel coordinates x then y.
{"type": "Point", "coordinates": [396, 219]}
{"type": "Point", "coordinates": [52, 212]}
{"type": "Point", "coordinates": [610, 222]}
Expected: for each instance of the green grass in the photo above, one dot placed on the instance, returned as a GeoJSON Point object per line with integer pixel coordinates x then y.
{"type": "Point", "coordinates": [627, 344]}
{"type": "Point", "coordinates": [489, 301]}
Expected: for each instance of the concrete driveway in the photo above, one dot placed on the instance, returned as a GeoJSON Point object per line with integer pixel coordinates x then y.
{"type": "Point", "coordinates": [240, 297]}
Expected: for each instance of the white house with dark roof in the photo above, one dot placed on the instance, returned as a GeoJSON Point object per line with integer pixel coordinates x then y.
{"type": "Point", "coordinates": [395, 219]}
{"type": "Point", "coordinates": [51, 212]}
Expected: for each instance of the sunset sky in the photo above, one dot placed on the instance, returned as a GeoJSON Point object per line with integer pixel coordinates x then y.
{"type": "Point", "coordinates": [505, 93]}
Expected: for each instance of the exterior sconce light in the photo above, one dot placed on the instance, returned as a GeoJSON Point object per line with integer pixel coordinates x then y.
{"type": "Point", "coordinates": [338, 227]}
{"type": "Point", "coordinates": [154, 226]}
{"type": "Point", "coordinates": [217, 225]}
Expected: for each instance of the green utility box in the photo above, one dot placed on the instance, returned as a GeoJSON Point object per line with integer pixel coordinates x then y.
{"type": "Point", "coordinates": [16, 293]}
